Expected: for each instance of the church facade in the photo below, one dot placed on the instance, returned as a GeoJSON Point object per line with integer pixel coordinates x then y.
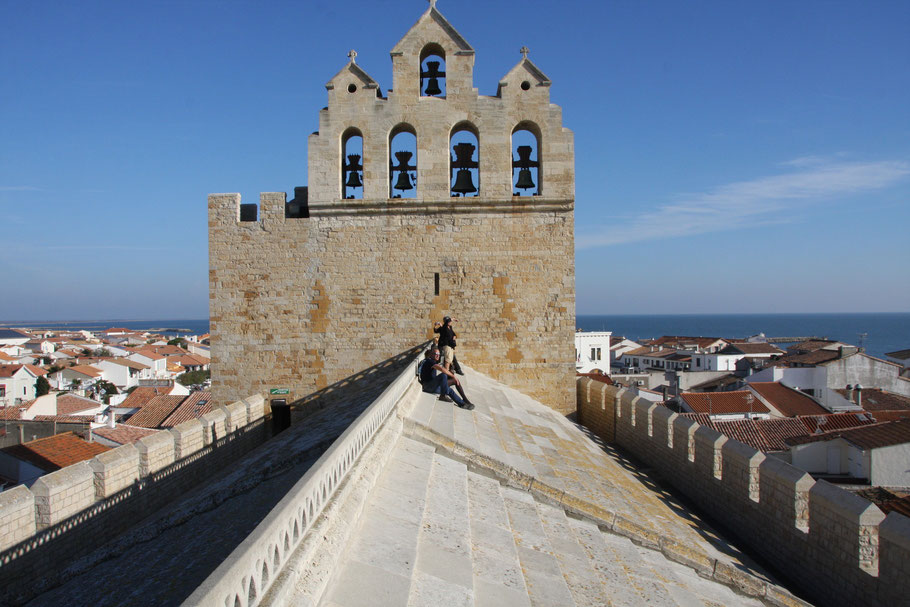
{"type": "Point", "coordinates": [428, 200]}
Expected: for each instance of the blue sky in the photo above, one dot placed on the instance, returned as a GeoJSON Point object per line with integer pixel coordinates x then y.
{"type": "Point", "coordinates": [730, 156]}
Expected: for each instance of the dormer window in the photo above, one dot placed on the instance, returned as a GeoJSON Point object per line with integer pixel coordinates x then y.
{"type": "Point", "coordinates": [432, 71]}
{"type": "Point", "coordinates": [352, 164]}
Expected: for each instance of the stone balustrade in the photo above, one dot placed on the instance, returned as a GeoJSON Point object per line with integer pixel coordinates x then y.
{"type": "Point", "coordinates": [251, 571]}
{"type": "Point", "coordinates": [834, 546]}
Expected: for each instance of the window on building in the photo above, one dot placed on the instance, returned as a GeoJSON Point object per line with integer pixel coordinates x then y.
{"type": "Point", "coordinates": [464, 160]}
{"type": "Point", "coordinates": [2, 391]}
{"type": "Point", "coordinates": [403, 162]}
{"type": "Point", "coordinates": [432, 71]}
{"type": "Point", "coordinates": [352, 164]}
{"type": "Point", "coordinates": [526, 160]}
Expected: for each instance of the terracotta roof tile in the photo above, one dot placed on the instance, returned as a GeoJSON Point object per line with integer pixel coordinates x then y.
{"type": "Point", "coordinates": [875, 399]}
{"type": "Point", "coordinates": [195, 406]}
{"type": "Point", "coordinates": [55, 452]}
{"type": "Point", "coordinates": [835, 421]}
{"type": "Point", "coordinates": [123, 433]}
{"type": "Point", "coordinates": [762, 434]}
{"type": "Point", "coordinates": [155, 411]}
{"type": "Point", "coordinates": [751, 348]}
{"type": "Point", "coordinates": [872, 436]}
{"type": "Point", "coordinates": [788, 401]}
{"type": "Point", "coordinates": [68, 404]}
{"type": "Point", "coordinates": [722, 403]}
{"type": "Point", "coordinates": [140, 396]}
{"type": "Point", "coordinates": [85, 370]}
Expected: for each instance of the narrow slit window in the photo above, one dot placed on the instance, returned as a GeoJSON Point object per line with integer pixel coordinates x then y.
{"type": "Point", "coordinates": [436, 283]}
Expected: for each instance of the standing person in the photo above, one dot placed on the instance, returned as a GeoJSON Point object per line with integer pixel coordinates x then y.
{"type": "Point", "coordinates": [435, 380]}
{"type": "Point", "coordinates": [447, 337]}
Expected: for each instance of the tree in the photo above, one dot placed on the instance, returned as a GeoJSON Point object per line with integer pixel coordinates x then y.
{"type": "Point", "coordinates": [193, 377]}
{"type": "Point", "coordinates": [177, 341]}
{"type": "Point", "coordinates": [42, 386]}
{"type": "Point", "coordinates": [105, 388]}
{"type": "Point", "coordinates": [103, 353]}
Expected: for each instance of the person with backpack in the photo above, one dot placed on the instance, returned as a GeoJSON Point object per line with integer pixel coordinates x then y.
{"type": "Point", "coordinates": [435, 379]}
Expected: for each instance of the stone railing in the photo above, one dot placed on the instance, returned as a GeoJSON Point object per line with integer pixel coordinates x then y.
{"type": "Point", "coordinates": [44, 527]}
{"type": "Point", "coordinates": [255, 568]}
{"type": "Point", "coordinates": [830, 544]}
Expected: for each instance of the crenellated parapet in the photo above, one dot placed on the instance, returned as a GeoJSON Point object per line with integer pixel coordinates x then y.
{"type": "Point", "coordinates": [834, 546]}
{"type": "Point", "coordinates": [62, 515]}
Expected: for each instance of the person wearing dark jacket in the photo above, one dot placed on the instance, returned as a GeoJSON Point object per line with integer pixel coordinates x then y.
{"type": "Point", "coordinates": [447, 344]}
{"type": "Point", "coordinates": [435, 379]}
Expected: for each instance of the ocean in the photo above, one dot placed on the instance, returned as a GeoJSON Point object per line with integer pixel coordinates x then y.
{"type": "Point", "coordinates": [878, 333]}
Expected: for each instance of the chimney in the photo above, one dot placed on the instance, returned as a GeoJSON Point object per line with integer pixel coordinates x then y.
{"type": "Point", "coordinates": [111, 422]}
{"type": "Point", "coordinates": [849, 395]}
{"type": "Point", "coordinates": [858, 393]}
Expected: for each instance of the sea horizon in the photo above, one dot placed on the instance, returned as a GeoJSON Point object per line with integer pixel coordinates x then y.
{"type": "Point", "coordinates": [877, 332]}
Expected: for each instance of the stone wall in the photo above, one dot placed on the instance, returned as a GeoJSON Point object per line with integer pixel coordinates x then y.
{"type": "Point", "coordinates": [302, 303]}
{"type": "Point", "coordinates": [67, 513]}
{"type": "Point", "coordinates": [829, 544]}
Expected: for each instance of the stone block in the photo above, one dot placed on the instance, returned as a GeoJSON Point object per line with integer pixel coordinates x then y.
{"type": "Point", "coordinates": [662, 420]}
{"type": "Point", "coordinates": [684, 439]}
{"type": "Point", "coordinates": [708, 454]}
{"type": "Point", "coordinates": [235, 416]}
{"type": "Point", "coordinates": [115, 470]}
{"type": "Point", "coordinates": [255, 407]}
{"type": "Point", "coordinates": [156, 451]}
{"type": "Point", "coordinates": [17, 516]}
{"type": "Point", "coordinates": [844, 526]}
{"type": "Point", "coordinates": [741, 470]}
{"type": "Point", "coordinates": [189, 437]}
{"type": "Point", "coordinates": [213, 426]}
{"type": "Point", "coordinates": [784, 494]}
{"type": "Point", "coordinates": [63, 493]}
{"type": "Point", "coordinates": [894, 557]}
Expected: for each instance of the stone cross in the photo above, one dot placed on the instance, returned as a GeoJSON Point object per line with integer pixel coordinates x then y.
{"type": "Point", "coordinates": [524, 51]}
{"type": "Point", "coordinates": [353, 55]}
{"type": "Point", "coordinates": [432, 3]}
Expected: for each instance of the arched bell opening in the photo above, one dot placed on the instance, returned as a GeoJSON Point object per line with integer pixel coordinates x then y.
{"type": "Point", "coordinates": [464, 160]}
{"type": "Point", "coordinates": [403, 162]}
{"type": "Point", "coordinates": [352, 164]}
{"type": "Point", "coordinates": [526, 173]}
{"type": "Point", "coordinates": [432, 71]}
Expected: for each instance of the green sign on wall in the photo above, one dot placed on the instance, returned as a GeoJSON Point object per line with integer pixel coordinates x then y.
{"type": "Point", "coordinates": [279, 391]}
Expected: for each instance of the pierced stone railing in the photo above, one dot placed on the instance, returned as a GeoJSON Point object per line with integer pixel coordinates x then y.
{"type": "Point", "coordinates": [248, 574]}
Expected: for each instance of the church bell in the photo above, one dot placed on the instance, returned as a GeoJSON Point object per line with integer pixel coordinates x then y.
{"type": "Point", "coordinates": [432, 74]}
{"type": "Point", "coordinates": [525, 181]}
{"type": "Point", "coordinates": [404, 182]}
{"type": "Point", "coordinates": [463, 182]}
{"type": "Point", "coordinates": [353, 176]}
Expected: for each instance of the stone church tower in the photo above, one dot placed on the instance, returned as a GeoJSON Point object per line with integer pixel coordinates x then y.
{"type": "Point", "coordinates": [427, 201]}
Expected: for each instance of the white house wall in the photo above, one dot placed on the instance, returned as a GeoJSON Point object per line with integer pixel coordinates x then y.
{"type": "Point", "coordinates": [891, 466]}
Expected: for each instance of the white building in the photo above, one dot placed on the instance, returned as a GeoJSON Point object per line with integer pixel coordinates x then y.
{"type": "Point", "coordinates": [17, 383]}
{"type": "Point", "coordinates": [592, 351]}
{"type": "Point", "coordinates": [877, 453]}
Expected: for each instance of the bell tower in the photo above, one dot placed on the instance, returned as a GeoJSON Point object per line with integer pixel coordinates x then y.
{"type": "Point", "coordinates": [428, 199]}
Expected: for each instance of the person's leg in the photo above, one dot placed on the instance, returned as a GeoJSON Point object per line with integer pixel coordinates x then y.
{"type": "Point", "coordinates": [461, 391]}
{"type": "Point", "coordinates": [448, 354]}
{"type": "Point", "coordinates": [456, 368]}
{"type": "Point", "coordinates": [438, 385]}
{"type": "Point", "coordinates": [456, 398]}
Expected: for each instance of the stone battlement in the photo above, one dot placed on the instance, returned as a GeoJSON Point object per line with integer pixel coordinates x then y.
{"type": "Point", "coordinates": [836, 547]}
{"type": "Point", "coordinates": [64, 513]}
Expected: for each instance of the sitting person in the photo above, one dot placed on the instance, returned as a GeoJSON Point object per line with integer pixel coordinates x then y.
{"type": "Point", "coordinates": [435, 380]}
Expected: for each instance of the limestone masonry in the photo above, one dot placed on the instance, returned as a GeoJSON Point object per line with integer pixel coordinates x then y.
{"type": "Point", "coordinates": [308, 293]}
